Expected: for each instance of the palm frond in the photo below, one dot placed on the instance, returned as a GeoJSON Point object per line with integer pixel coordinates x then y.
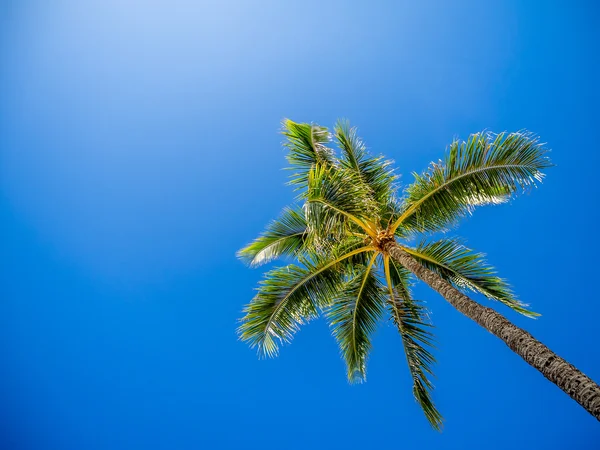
{"type": "Point", "coordinates": [284, 236]}
{"type": "Point", "coordinates": [306, 145]}
{"type": "Point", "coordinates": [412, 320]}
{"type": "Point", "coordinates": [467, 270]}
{"type": "Point", "coordinates": [335, 198]}
{"type": "Point", "coordinates": [353, 317]}
{"type": "Point", "coordinates": [486, 169]}
{"type": "Point", "coordinates": [375, 172]}
{"type": "Point", "coordinates": [290, 296]}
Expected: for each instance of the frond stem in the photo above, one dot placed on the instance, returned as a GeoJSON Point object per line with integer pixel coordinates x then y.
{"type": "Point", "coordinates": [351, 217]}
{"type": "Point", "coordinates": [362, 286]}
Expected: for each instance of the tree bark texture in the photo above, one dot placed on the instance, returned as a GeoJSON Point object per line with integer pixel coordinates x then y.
{"type": "Point", "coordinates": [578, 386]}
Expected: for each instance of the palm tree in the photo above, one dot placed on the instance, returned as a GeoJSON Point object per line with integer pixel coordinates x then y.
{"type": "Point", "coordinates": [350, 232]}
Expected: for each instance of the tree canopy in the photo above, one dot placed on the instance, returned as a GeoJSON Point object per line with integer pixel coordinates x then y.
{"type": "Point", "coordinates": [348, 207]}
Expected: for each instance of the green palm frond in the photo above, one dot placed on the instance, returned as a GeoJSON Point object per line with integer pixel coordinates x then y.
{"type": "Point", "coordinates": [288, 297]}
{"type": "Point", "coordinates": [354, 315]}
{"type": "Point", "coordinates": [284, 236]}
{"type": "Point", "coordinates": [306, 145]}
{"type": "Point", "coordinates": [412, 320]}
{"type": "Point", "coordinates": [466, 270]}
{"type": "Point", "coordinates": [335, 198]}
{"type": "Point", "coordinates": [486, 169]}
{"type": "Point", "coordinates": [375, 172]}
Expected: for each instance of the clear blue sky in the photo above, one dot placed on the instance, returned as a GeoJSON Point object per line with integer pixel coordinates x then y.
{"type": "Point", "coordinates": [139, 149]}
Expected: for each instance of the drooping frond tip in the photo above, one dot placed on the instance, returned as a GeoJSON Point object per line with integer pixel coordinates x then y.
{"type": "Point", "coordinates": [412, 320]}
{"type": "Point", "coordinates": [287, 298]}
{"type": "Point", "coordinates": [290, 296]}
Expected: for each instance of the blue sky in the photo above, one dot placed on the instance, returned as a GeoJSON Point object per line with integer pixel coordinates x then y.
{"type": "Point", "coordinates": [139, 149]}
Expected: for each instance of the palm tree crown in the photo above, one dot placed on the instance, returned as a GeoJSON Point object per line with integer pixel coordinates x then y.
{"type": "Point", "coordinates": [349, 209]}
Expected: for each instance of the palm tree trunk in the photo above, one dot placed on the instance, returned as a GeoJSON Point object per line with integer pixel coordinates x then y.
{"type": "Point", "coordinates": [580, 388]}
